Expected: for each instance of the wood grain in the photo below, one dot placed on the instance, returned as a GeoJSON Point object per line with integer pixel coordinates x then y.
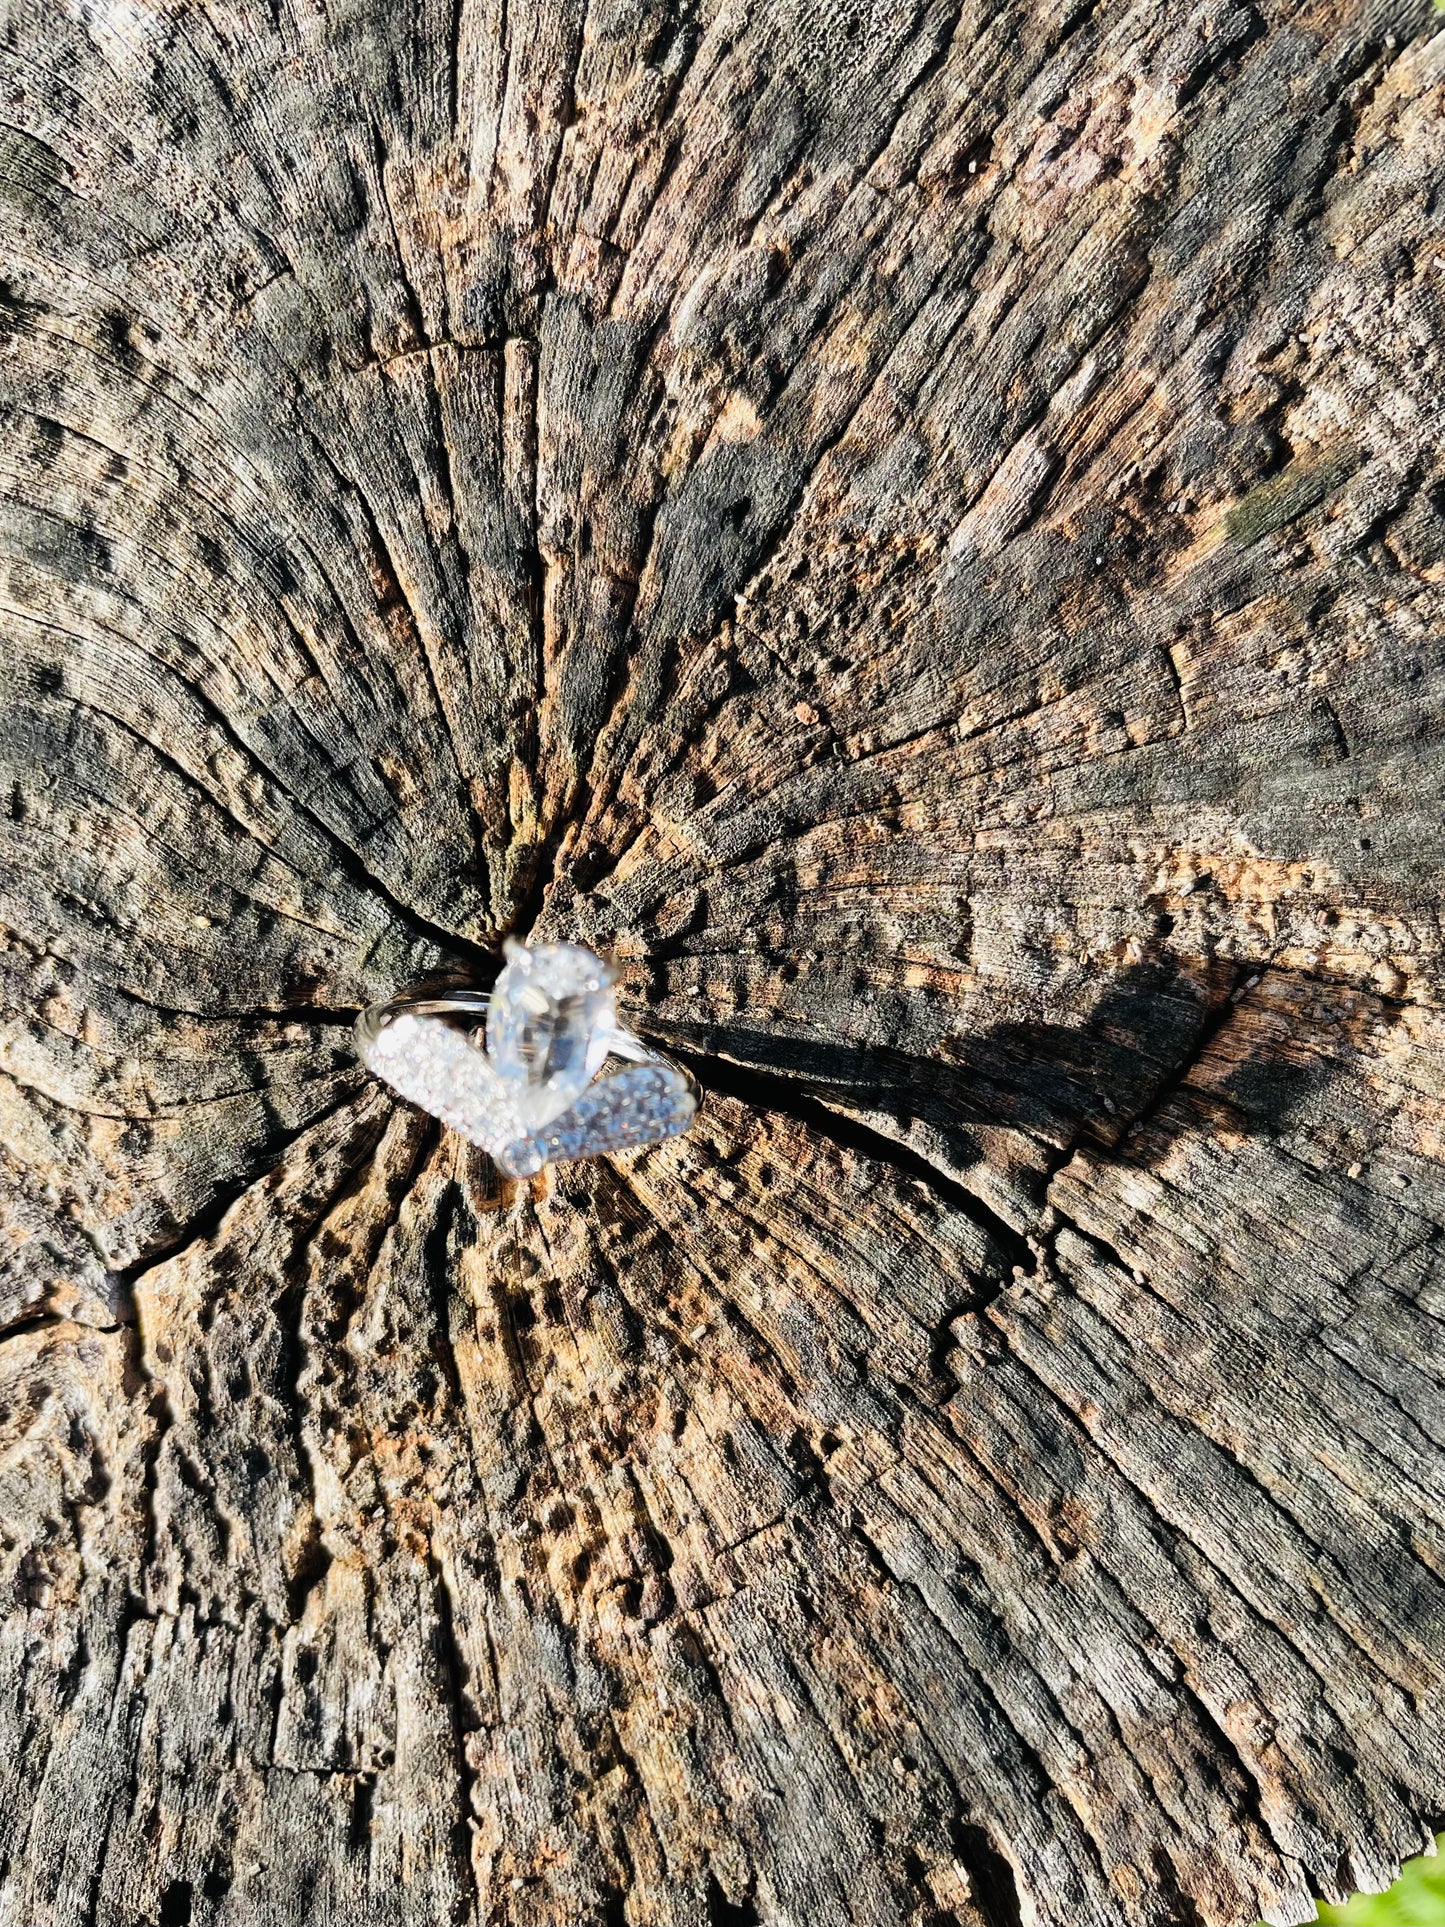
{"type": "Point", "coordinates": [920, 529]}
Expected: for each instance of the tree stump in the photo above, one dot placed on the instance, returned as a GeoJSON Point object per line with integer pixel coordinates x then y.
{"type": "Point", "coordinates": [919, 530]}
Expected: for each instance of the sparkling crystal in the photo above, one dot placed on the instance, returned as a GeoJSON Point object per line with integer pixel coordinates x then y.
{"type": "Point", "coordinates": [639, 1105]}
{"type": "Point", "coordinates": [549, 1027]}
{"type": "Point", "coordinates": [432, 1065]}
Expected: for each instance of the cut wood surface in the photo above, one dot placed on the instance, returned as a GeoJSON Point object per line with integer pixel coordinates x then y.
{"type": "Point", "coordinates": [919, 528]}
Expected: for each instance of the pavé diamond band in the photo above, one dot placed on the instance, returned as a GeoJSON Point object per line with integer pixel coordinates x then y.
{"type": "Point", "coordinates": [541, 1089]}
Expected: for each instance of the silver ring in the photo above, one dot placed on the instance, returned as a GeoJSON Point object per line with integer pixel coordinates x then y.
{"type": "Point", "coordinates": [536, 1070]}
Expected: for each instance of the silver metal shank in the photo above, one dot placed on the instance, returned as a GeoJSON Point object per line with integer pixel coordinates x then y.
{"type": "Point", "coordinates": [373, 1020]}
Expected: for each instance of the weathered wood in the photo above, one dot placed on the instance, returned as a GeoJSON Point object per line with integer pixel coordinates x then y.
{"type": "Point", "coordinates": [920, 528]}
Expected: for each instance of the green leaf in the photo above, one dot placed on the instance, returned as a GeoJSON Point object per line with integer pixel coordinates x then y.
{"type": "Point", "coordinates": [1417, 1898]}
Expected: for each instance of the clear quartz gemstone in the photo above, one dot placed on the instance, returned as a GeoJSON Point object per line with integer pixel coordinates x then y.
{"type": "Point", "coordinates": [549, 1026]}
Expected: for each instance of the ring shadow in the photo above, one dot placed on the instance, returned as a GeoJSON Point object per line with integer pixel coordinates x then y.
{"type": "Point", "coordinates": [1057, 1083]}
